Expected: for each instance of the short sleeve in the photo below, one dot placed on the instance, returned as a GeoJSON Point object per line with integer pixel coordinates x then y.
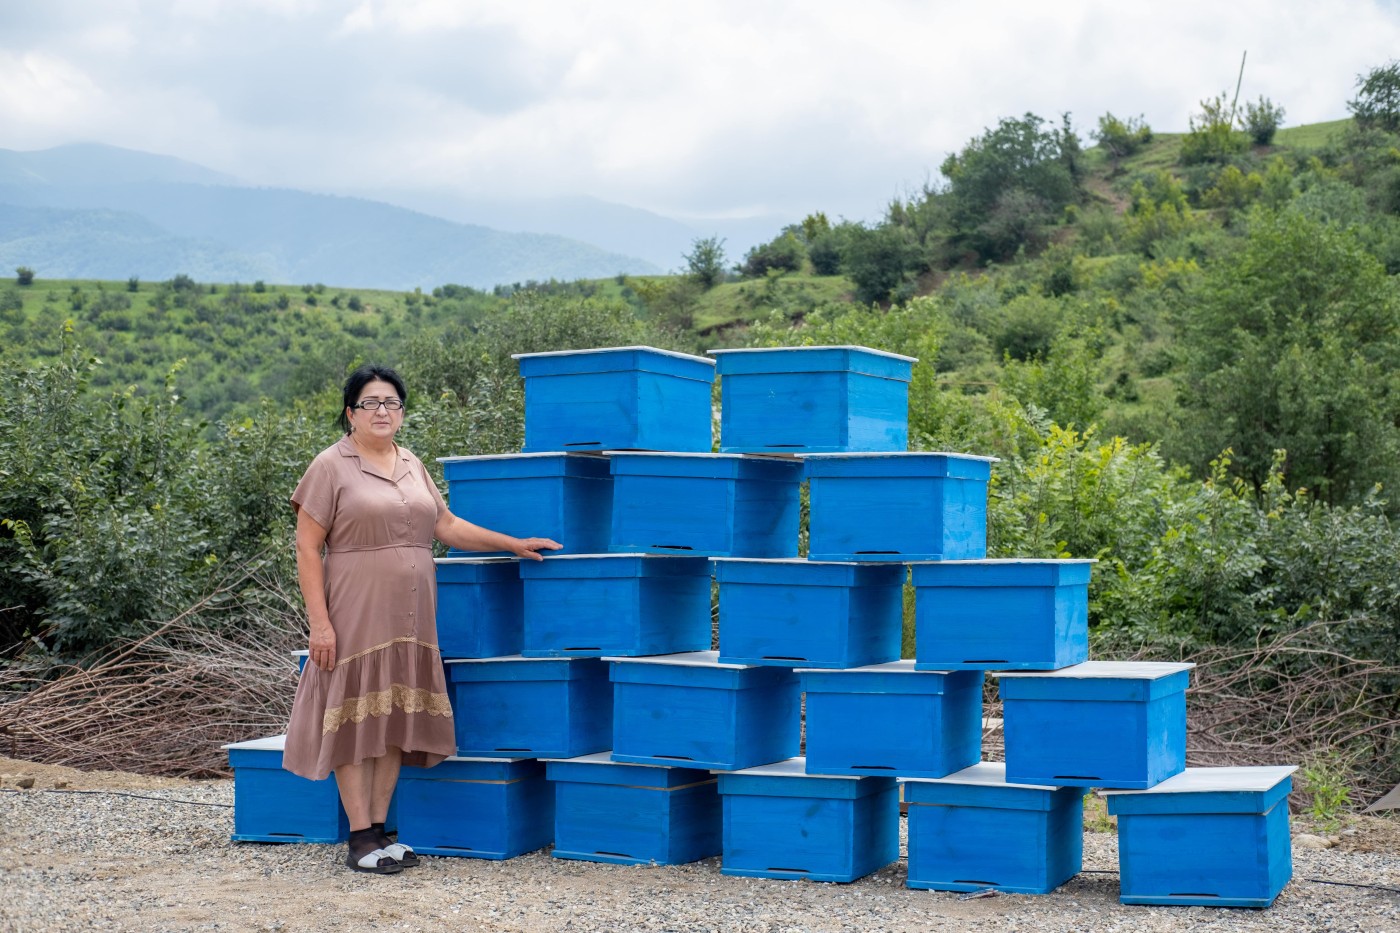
{"type": "Point", "coordinates": [438, 501]}
{"type": "Point", "coordinates": [317, 492]}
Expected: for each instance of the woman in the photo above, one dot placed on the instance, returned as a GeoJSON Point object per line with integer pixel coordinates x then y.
{"type": "Point", "coordinates": [373, 695]}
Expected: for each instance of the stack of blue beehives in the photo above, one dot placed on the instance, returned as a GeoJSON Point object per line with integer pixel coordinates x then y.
{"type": "Point", "coordinates": [596, 658]}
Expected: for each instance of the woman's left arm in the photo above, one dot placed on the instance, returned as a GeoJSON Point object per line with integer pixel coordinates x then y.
{"type": "Point", "coordinates": [463, 535]}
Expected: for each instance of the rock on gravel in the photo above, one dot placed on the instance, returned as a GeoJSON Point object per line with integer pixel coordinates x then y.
{"type": "Point", "coordinates": [123, 852]}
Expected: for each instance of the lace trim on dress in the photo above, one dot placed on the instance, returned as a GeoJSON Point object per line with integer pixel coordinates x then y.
{"type": "Point", "coordinates": [406, 638]}
{"type": "Point", "coordinates": [382, 703]}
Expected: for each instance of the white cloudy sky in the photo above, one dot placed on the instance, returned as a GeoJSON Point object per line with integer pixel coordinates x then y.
{"type": "Point", "coordinates": [714, 108]}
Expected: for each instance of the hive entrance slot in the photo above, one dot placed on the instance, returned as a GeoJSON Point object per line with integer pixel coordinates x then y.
{"type": "Point", "coordinates": [512, 749]}
{"type": "Point", "coordinates": [877, 552]}
{"type": "Point", "coordinates": [800, 446]}
{"type": "Point", "coordinates": [673, 547]}
{"type": "Point", "coordinates": [583, 444]}
{"type": "Point", "coordinates": [675, 757]}
{"type": "Point", "coordinates": [615, 854]}
{"type": "Point", "coordinates": [1078, 777]}
{"type": "Point", "coordinates": [782, 657]}
{"type": "Point", "coordinates": [1191, 894]}
{"type": "Point", "coordinates": [873, 767]}
{"type": "Point", "coordinates": [459, 848]}
{"type": "Point", "coordinates": [985, 884]}
{"type": "Point", "coordinates": [581, 648]}
{"type": "Point", "coordinates": [800, 871]}
{"type": "Point", "coordinates": [984, 661]}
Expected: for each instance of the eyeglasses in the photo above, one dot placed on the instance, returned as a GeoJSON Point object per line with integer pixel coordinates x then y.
{"type": "Point", "coordinates": [372, 404]}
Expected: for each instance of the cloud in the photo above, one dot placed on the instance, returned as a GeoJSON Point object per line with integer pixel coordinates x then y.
{"type": "Point", "coordinates": [715, 109]}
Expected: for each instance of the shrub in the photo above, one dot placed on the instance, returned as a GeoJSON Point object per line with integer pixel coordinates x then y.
{"type": "Point", "coordinates": [1262, 120]}
{"type": "Point", "coordinates": [1122, 138]}
{"type": "Point", "coordinates": [1213, 137]}
{"type": "Point", "coordinates": [785, 254]}
{"type": "Point", "coordinates": [24, 275]}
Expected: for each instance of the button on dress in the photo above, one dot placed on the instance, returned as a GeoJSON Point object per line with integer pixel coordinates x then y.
{"type": "Point", "coordinates": [387, 688]}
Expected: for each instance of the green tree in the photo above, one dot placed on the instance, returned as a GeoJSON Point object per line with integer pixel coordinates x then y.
{"type": "Point", "coordinates": [706, 261]}
{"type": "Point", "coordinates": [1010, 181]}
{"type": "Point", "coordinates": [24, 275]}
{"type": "Point", "coordinates": [1294, 345]}
{"type": "Point", "coordinates": [1377, 102]}
{"type": "Point", "coordinates": [882, 261]}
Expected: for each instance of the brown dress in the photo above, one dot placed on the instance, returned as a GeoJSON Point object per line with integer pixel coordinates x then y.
{"type": "Point", "coordinates": [387, 688]}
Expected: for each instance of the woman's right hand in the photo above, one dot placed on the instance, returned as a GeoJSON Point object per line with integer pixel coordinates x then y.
{"type": "Point", "coordinates": [322, 647]}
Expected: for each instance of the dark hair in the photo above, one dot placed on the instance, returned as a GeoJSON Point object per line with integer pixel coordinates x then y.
{"type": "Point", "coordinates": [363, 377]}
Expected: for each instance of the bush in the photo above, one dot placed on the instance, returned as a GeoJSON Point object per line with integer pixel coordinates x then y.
{"type": "Point", "coordinates": [1119, 138]}
{"type": "Point", "coordinates": [1213, 137]}
{"type": "Point", "coordinates": [1262, 120]}
{"type": "Point", "coordinates": [24, 275]}
{"type": "Point", "coordinates": [785, 254]}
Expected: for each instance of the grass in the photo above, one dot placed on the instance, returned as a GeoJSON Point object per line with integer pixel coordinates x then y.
{"type": "Point", "coordinates": [1311, 135]}
{"type": "Point", "coordinates": [736, 302]}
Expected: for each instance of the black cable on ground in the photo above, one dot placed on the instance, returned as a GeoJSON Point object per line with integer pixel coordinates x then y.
{"type": "Point", "coordinates": [116, 793]}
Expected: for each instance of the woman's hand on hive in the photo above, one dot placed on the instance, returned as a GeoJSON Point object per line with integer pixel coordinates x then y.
{"type": "Point", "coordinates": [530, 547]}
{"type": "Point", "coordinates": [322, 647]}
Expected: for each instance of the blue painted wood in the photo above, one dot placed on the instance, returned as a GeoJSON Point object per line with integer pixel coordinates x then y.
{"type": "Point", "coordinates": [897, 506]}
{"type": "Point", "coordinates": [567, 497]}
{"type": "Point", "coordinates": [705, 504]}
{"type": "Point", "coordinates": [629, 814]}
{"type": "Point", "coordinates": [690, 709]}
{"type": "Point", "coordinates": [615, 604]}
{"type": "Point", "coordinates": [1114, 724]}
{"type": "Point", "coordinates": [273, 805]}
{"type": "Point", "coordinates": [617, 398]}
{"type": "Point", "coordinates": [780, 822]}
{"type": "Point", "coordinates": [488, 808]}
{"type": "Point", "coordinates": [972, 830]}
{"type": "Point", "coordinates": [301, 658]}
{"type": "Point", "coordinates": [1001, 614]}
{"type": "Point", "coordinates": [480, 607]}
{"type": "Point", "coordinates": [891, 719]}
{"type": "Point", "coordinates": [1214, 837]}
{"type": "Point", "coordinates": [519, 707]}
{"type": "Point", "coordinates": [797, 613]}
{"type": "Point", "coordinates": [813, 399]}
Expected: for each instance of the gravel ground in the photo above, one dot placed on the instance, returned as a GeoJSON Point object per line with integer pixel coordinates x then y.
{"type": "Point", "coordinates": [110, 851]}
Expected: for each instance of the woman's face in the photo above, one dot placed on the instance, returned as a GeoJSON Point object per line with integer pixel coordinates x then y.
{"type": "Point", "coordinates": [379, 423]}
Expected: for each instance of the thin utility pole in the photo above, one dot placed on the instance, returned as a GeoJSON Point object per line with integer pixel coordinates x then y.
{"type": "Point", "coordinates": [1238, 82]}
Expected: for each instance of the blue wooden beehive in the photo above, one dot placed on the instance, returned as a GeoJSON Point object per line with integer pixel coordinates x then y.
{"type": "Point", "coordinates": [567, 497]}
{"type": "Point", "coordinates": [1215, 837]}
{"type": "Point", "coordinates": [588, 605]}
{"type": "Point", "coordinates": [706, 504]}
{"type": "Point", "coordinates": [273, 805]}
{"type": "Point", "coordinates": [891, 719]}
{"type": "Point", "coordinates": [517, 707]}
{"type": "Point", "coordinates": [616, 398]}
{"type": "Point", "coordinates": [1118, 724]}
{"type": "Point", "coordinates": [780, 822]}
{"type": "Point", "coordinates": [972, 830]}
{"type": "Point", "coordinates": [480, 604]}
{"type": "Point", "coordinates": [898, 506]}
{"type": "Point", "coordinates": [690, 709]}
{"type": "Point", "coordinates": [810, 399]}
{"type": "Point", "coordinates": [799, 613]}
{"type": "Point", "coordinates": [302, 657]}
{"type": "Point", "coordinates": [1001, 614]}
{"type": "Point", "coordinates": [491, 808]}
{"type": "Point", "coordinates": [627, 814]}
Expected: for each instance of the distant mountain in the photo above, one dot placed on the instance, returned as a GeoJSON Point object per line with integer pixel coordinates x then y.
{"type": "Point", "coordinates": [69, 211]}
{"type": "Point", "coordinates": [660, 240]}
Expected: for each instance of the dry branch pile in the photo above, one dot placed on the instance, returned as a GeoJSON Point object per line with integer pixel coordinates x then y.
{"type": "Point", "coordinates": [163, 703]}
